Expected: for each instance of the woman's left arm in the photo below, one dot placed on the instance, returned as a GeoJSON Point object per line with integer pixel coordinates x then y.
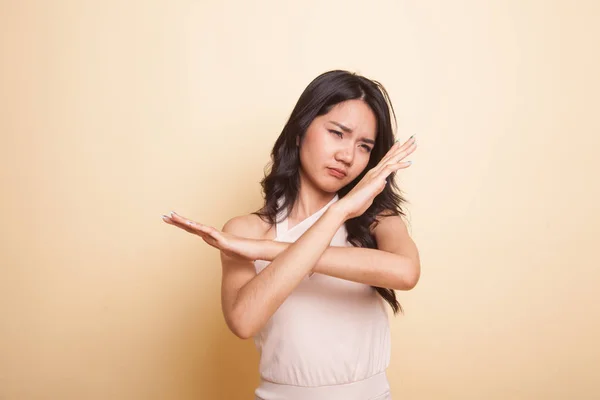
{"type": "Point", "coordinates": [395, 264]}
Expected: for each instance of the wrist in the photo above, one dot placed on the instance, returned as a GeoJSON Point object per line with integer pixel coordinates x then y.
{"type": "Point", "coordinates": [268, 250]}
{"type": "Point", "coordinates": [338, 212]}
{"type": "Point", "coordinates": [259, 249]}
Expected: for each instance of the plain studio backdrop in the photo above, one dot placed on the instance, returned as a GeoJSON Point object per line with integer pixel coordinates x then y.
{"type": "Point", "coordinates": [113, 113]}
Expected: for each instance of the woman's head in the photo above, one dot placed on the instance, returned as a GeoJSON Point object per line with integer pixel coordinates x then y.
{"type": "Point", "coordinates": [341, 121]}
{"type": "Point", "coordinates": [310, 141]}
{"type": "Point", "coordinates": [336, 147]}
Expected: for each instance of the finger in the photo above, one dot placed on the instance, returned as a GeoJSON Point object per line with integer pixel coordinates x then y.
{"type": "Point", "coordinates": [184, 221]}
{"type": "Point", "coordinates": [207, 233]}
{"type": "Point", "coordinates": [178, 218]}
{"type": "Point", "coordinates": [403, 154]}
{"type": "Point", "coordinates": [210, 235]}
{"type": "Point", "coordinates": [394, 151]}
{"type": "Point", "coordinates": [185, 227]}
{"type": "Point", "coordinates": [390, 152]}
{"type": "Point", "coordinates": [390, 168]}
{"type": "Point", "coordinates": [180, 222]}
{"type": "Point", "coordinates": [398, 156]}
{"type": "Point", "coordinates": [168, 220]}
{"type": "Point", "coordinates": [405, 146]}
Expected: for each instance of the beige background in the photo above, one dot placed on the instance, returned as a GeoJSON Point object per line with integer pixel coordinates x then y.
{"type": "Point", "coordinates": [113, 113]}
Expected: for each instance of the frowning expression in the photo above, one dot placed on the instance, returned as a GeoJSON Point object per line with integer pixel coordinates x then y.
{"type": "Point", "coordinates": [337, 146]}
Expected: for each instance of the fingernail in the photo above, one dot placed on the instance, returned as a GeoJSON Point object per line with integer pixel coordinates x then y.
{"type": "Point", "coordinates": [165, 218]}
{"type": "Point", "coordinates": [172, 213]}
{"type": "Point", "coordinates": [190, 222]}
{"type": "Point", "coordinates": [396, 141]}
{"type": "Point", "coordinates": [410, 162]}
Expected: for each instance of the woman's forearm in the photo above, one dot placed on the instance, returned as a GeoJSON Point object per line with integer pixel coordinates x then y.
{"type": "Point", "coordinates": [261, 297]}
{"type": "Point", "coordinates": [369, 266]}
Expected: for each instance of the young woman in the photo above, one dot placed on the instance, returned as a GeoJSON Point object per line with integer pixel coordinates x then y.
{"type": "Point", "coordinates": [307, 275]}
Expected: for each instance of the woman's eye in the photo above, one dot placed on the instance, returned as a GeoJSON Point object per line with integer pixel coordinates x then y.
{"type": "Point", "coordinates": [336, 132]}
{"type": "Point", "coordinates": [367, 148]}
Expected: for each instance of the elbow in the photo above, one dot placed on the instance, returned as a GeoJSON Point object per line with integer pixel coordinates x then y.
{"type": "Point", "coordinates": [241, 331]}
{"type": "Point", "coordinates": [241, 327]}
{"type": "Point", "coordinates": [409, 279]}
{"type": "Point", "coordinates": [405, 283]}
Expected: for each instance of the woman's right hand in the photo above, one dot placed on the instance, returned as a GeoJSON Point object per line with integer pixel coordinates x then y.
{"type": "Point", "coordinates": [360, 198]}
{"type": "Point", "coordinates": [231, 245]}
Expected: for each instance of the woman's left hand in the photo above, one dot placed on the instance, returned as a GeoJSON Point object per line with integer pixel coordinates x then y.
{"type": "Point", "coordinates": [233, 246]}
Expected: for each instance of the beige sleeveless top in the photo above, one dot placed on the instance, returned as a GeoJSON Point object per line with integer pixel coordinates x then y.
{"type": "Point", "coordinates": [329, 331]}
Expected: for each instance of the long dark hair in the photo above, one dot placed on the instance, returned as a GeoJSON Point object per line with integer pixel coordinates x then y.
{"type": "Point", "coordinates": [319, 97]}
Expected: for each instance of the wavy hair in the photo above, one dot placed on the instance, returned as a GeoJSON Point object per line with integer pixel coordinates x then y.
{"type": "Point", "coordinates": [283, 179]}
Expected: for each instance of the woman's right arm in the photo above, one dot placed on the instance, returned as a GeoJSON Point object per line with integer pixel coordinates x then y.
{"type": "Point", "coordinates": [249, 299]}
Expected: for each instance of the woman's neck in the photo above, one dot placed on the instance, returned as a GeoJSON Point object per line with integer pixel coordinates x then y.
{"type": "Point", "coordinates": [309, 202]}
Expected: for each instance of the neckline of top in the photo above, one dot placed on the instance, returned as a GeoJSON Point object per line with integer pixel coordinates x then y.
{"type": "Point", "coordinates": [282, 227]}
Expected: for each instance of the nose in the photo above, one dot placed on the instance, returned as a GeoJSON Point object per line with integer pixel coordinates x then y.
{"type": "Point", "coordinates": [345, 154]}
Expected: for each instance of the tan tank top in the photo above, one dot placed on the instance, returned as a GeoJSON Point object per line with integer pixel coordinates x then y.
{"type": "Point", "coordinates": [329, 331]}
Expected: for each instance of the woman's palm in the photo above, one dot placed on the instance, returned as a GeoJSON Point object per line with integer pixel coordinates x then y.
{"type": "Point", "coordinates": [360, 198]}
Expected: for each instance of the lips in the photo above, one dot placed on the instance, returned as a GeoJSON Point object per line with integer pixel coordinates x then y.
{"type": "Point", "coordinates": [340, 173]}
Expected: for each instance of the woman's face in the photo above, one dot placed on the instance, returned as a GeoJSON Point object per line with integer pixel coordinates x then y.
{"type": "Point", "coordinates": [339, 140]}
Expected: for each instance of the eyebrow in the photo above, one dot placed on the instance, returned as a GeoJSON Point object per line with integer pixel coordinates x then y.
{"type": "Point", "coordinates": [346, 129]}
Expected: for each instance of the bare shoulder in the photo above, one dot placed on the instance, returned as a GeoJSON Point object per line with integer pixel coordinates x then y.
{"type": "Point", "coordinates": [250, 226]}
{"type": "Point", "coordinates": [391, 234]}
{"type": "Point", "coordinates": [387, 220]}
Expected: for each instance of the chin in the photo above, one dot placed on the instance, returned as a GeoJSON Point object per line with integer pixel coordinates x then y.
{"type": "Point", "coordinates": [333, 187]}
{"type": "Point", "coordinates": [328, 187]}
